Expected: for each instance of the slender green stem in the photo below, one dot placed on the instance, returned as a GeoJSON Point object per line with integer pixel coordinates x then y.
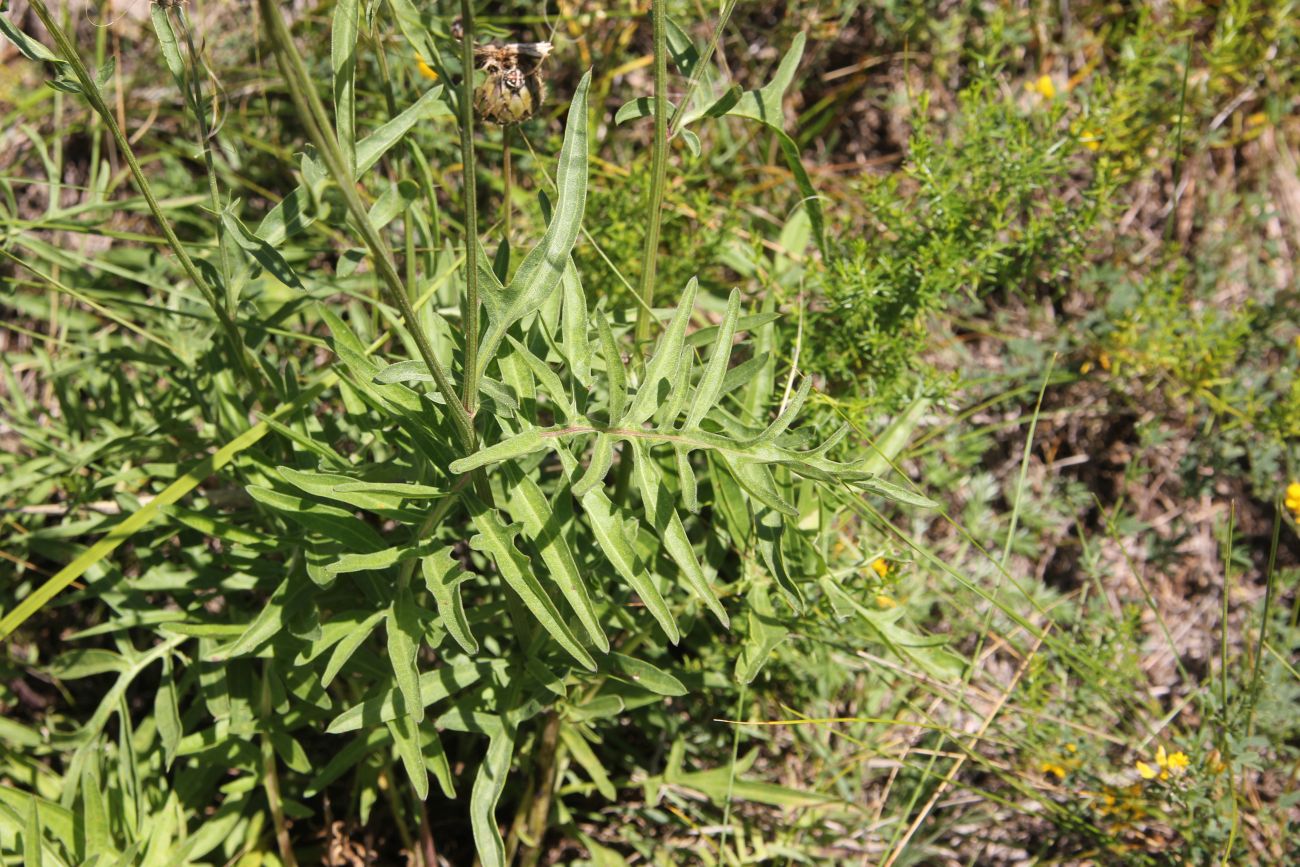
{"type": "Point", "coordinates": [658, 176]}
{"type": "Point", "coordinates": [310, 108]}
{"type": "Point", "coordinates": [251, 372]}
{"type": "Point", "coordinates": [271, 780]}
{"type": "Point", "coordinates": [205, 136]}
{"type": "Point", "coordinates": [508, 180]}
{"type": "Point", "coordinates": [470, 367]}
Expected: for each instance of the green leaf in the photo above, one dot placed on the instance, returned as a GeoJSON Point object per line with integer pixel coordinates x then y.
{"type": "Point", "coordinates": [764, 104]}
{"type": "Point", "coordinates": [613, 535]}
{"type": "Point", "coordinates": [496, 540]}
{"type": "Point", "coordinates": [443, 576]}
{"type": "Point", "coordinates": [893, 492]}
{"type": "Point", "coordinates": [647, 676]}
{"type": "Point", "coordinates": [583, 754]}
{"type": "Point", "coordinates": [666, 361]}
{"type": "Point", "coordinates": [393, 203]}
{"type": "Point", "coordinates": [771, 531]}
{"type": "Point", "coordinates": [341, 760]}
{"type": "Point", "coordinates": [290, 751]}
{"type": "Point", "coordinates": [599, 707]}
{"type": "Point", "coordinates": [265, 626]}
{"type": "Point", "coordinates": [32, 837]}
{"type": "Point", "coordinates": [404, 630]}
{"type": "Point", "coordinates": [709, 388]}
{"type": "Point", "coordinates": [757, 479]}
{"type": "Point", "coordinates": [523, 443]}
{"type": "Point", "coordinates": [76, 664]}
{"type": "Point", "coordinates": [614, 371]}
{"type": "Point", "coordinates": [434, 687]}
{"type": "Point", "coordinates": [489, 783]}
{"type": "Point", "coordinates": [765, 633]}
{"type": "Point", "coordinates": [375, 560]}
{"type": "Point", "coordinates": [343, 61]}
{"type": "Point", "coordinates": [166, 713]}
{"type": "Point", "coordinates": [167, 44]}
{"type": "Point", "coordinates": [545, 528]}
{"type": "Point", "coordinates": [542, 269]}
{"type": "Point", "coordinates": [659, 507]}
{"type": "Point", "coordinates": [577, 346]}
{"type": "Point", "coordinates": [331, 522]}
{"type": "Point", "coordinates": [27, 46]}
{"type": "Point", "coordinates": [335, 486]}
{"type": "Point", "coordinates": [94, 814]}
{"type": "Point", "coordinates": [261, 251]}
{"type": "Point", "coordinates": [348, 645]}
{"type": "Point", "coordinates": [928, 653]}
{"type": "Point", "coordinates": [686, 478]}
{"type": "Point", "coordinates": [399, 490]}
{"type": "Point", "coordinates": [406, 737]}
{"type": "Point", "coordinates": [602, 457]}
{"type": "Point", "coordinates": [291, 215]}
{"type": "Point", "coordinates": [550, 381]}
{"type": "Point", "coordinates": [787, 416]}
{"type": "Point", "coordinates": [642, 106]}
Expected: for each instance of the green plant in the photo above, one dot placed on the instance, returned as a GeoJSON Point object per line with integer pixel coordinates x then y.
{"type": "Point", "coordinates": [438, 571]}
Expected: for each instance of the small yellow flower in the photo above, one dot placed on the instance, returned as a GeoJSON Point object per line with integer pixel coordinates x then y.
{"type": "Point", "coordinates": [1166, 764]}
{"type": "Point", "coordinates": [1293, 498]}
{"type": "Point", "coordinates": [883, 601]}
{"type": "Point", "coordinates": [1071, 748]}
{"type": "Point", "coordinates": [1052, 768]}
{"type": "Point", "coordinates": [425, 69]}
{"type": "Point", "coordinates": [1044, 87]}
{"type": "Point", "coordinates": [880, 566]}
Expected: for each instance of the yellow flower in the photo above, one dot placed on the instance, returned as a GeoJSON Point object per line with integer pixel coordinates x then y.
{"type": "Point", "coordinates": [883, 601]}
{"type": "Point", "coordinates": [880, 566]}
{"type": "Point", "coordinates": [1052, 768]}
{"type": "Point", "coordinates": [1166, 764]}
{"type": "Point", "coordinates": [1293, 499]}
{"type": "Point", "coordinates": [1044, 87]}
{"type": "Point", "coordinates": [425, 69]}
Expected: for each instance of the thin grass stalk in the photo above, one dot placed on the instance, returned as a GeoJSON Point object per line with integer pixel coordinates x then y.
{"type": "Point", "coordinates": [206, 137]}
{"type": "Point", "coordinates": [470, 385]}
{"type": "Point", "coordinates": [658, 176]}
{"type": "Point", "coordinates": [309, 106]}
{"type": "Point", "coordinates": [1270, 586]}
{"type": "Point", "coordinates": [251, 372]}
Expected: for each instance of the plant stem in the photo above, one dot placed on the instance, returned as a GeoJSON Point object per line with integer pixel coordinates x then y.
{"type": "Point", "coordinates": [470, 368]}
{"type": "Point", "coordinates": [271, 781]}
{"type": "Point", "coordinates": [506, 168]}
{"type": "Point", "coordinates": [205, 136]}
{"type": "Point", "coordinates": [658, 176]}
{"type": "Point", "coordinates": [309, 106]}
{"type": "Point", "coordinates": [251, 372]}
{"type": "Point", "coordinates": [530, 822]}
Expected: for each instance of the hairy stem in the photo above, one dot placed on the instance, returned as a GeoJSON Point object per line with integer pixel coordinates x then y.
{"type": "Point", "coordinates": [309, 106]}
{"type": "Point", "coordinates": [469, 393]}
{"type": "Point", "coordinates": [658, 176]}
{"type": "Point", "coordinates": [530, 822]}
